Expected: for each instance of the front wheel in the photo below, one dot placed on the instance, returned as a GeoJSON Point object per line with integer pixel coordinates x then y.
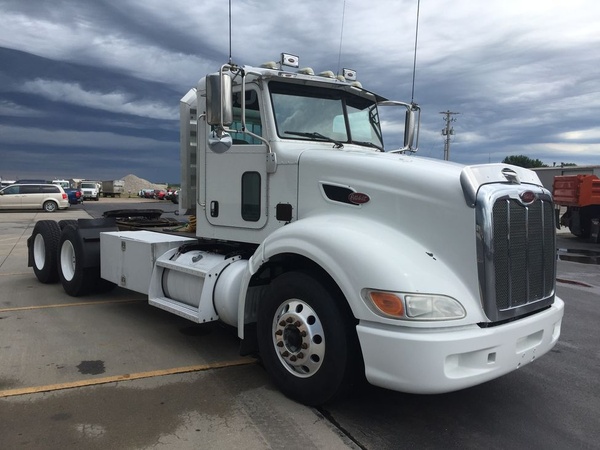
{"type": "Point", "coordinates": [306, 338]}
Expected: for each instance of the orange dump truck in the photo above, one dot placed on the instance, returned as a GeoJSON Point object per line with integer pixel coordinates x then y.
{"type": "Point", "coordinates": [581, 195]}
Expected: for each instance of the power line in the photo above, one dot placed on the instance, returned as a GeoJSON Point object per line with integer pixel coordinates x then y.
{"type": "Point", "coordinates": [448, 131]}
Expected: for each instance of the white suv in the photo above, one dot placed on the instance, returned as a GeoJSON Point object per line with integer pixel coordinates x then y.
{"type": "Point", "coordinates": [50, 197]}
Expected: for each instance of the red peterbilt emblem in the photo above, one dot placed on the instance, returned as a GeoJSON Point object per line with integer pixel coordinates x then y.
{"type": "Point", "coordinates": [358, 198]}
{"type": "Point", "coordinates": [527, 197]}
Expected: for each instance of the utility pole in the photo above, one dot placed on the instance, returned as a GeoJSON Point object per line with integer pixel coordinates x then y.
{"type": "Point", "coordinates": [447, 132]}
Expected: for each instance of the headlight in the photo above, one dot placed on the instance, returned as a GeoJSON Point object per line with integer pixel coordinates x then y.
{"type": "Point", "coordinates": [409, 306]}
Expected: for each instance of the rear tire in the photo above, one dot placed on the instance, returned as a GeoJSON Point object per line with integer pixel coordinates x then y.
{"type": "Point", "coordinates": [306, 338]}
{"type": "Point", "coordinates": [50, 206]}
{"type": "Point", "coordinates": [76, 279]}
{"type": "Point", "coordinates": [43, 249]}
{"type": "Point", "coordinates": [64, 223]}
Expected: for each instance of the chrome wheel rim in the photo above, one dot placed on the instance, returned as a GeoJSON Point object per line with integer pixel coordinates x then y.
{"type": "Point", "coordinates": [298, 338]}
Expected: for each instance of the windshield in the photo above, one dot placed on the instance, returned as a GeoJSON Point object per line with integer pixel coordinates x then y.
{"type": "Point", "coordinates": [324, 114]}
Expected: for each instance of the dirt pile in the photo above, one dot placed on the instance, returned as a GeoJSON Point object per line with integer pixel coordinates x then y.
{"type": "Point", "coordinates": [135, 184]}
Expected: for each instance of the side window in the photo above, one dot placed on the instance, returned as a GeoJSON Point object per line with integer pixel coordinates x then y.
{"type": "Point", "coordinates": [253, 123]}
{"type": "Point", "coordinates": [30, 189]}
{"type": "Point", "coordinates": [12, 190]}
{"type": "Point", "coordinates": [251, 196]}
{"type": "Point", "coordinates": [50, 189]}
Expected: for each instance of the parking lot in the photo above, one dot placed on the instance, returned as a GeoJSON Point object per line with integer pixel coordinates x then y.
{"type": "Point", "coordinates": [109, 371]}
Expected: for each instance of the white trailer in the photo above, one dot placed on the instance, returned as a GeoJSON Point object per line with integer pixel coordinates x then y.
{"type": "Point", "coordinates": [113, 188]}
{"type": "Point", "coordinates": [333, 258]}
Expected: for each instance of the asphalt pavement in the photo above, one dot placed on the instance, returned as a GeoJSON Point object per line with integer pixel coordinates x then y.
{"type": "Point", "coordinates": [109, 371]}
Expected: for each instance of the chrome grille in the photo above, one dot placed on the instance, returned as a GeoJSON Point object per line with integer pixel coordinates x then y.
{"type": "Point", "coordinates": [517, 244]}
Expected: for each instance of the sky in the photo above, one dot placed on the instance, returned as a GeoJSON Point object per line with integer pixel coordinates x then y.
{"type": "Point", "coordinates": [91, 88]}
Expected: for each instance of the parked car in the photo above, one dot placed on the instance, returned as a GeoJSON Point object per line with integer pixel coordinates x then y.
{"type": "Point", "coordinates": [160, 194]}
{"type": "Point", "coordinates": [170, 194]}
{"type": "Point", "coordinates": [49, 197]}
{"type": "Point", "coordinates": [175, 197]}
{"type": "Point", "coordinates": [147, 193]}
{"type": "Point", "coordinates": [75, 196]}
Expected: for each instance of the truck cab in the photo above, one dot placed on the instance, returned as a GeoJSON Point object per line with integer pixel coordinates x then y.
{"type": "Point", "coordinates": [295, 163]}
{"type": "Point", "coordinates": [335, 257]}
{"type": "Point", "coordinates": [242, 181]}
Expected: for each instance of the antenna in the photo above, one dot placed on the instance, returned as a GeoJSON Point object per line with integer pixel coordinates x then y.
{"type": "Point", "coordinates": [230, 32]}
{"type": "Point", "coordinates": [341, 38]}
{"type": "Point", "coordinates": [412, 95]}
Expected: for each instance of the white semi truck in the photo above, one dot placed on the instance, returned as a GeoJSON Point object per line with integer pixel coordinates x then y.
{"type": "Point", "coordinates": [333, 258]}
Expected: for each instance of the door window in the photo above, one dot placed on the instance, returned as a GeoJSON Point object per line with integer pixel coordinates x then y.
{"type": "Point", "coordinates": [11, 190]}
{"type": "Point", "coordinates": [253, 123]}
{"type": "Point", "coordinates": [251, 196]}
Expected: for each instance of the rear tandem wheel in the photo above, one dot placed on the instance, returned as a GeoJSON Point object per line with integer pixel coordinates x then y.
{"type": "Point", "coordinates": [76, 279]}
{"type": "Point", "coordinates": [43, 245]}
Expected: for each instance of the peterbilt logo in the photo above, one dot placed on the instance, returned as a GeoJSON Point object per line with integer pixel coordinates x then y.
{"type": "Point", "coordinates": [527, 197]}
{"type": "Point", "coordinates": [358, 198]}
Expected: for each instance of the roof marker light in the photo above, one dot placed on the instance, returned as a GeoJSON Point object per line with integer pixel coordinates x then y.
{"type": "Point", "coordinates": [327, 74]}
{"type": "Point", "coordinates": [306, 71]}
{"type": "Point", "coordinates": [269, 65]}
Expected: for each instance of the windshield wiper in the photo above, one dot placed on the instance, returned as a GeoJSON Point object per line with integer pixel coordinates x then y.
{"type": "Point", "coordinates": [316, 136]}
{"type": "Point", "coordinates": [367, 144]}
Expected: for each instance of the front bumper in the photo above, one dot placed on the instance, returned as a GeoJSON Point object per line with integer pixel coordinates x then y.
{"type": "Point", "coordinates": [423, 361]}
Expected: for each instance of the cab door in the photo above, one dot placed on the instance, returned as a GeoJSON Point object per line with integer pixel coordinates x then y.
{"type": "Point", "coordinates": [236, 180]}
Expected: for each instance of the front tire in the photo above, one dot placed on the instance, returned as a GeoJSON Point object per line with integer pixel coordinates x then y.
{"type": "Point", "coordinates": [43, 249]}
{"type": "Point", "coordinates": [306, 338]}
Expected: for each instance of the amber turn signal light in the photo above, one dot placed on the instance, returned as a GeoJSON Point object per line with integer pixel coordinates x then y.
{"type": "Point", "coordinates": [388, 303]}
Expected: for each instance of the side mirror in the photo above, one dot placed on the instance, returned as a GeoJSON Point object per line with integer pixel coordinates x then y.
{"type": "Point", "coordinates": [219, 108]}
{"type": "Point", "coordinates": [412, 121]}
{"type": "Point", "coordinates": [409, 128]}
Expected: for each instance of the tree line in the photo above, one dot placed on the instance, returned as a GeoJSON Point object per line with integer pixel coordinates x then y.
{"type": "Point", "coordinates": [529, 163]}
